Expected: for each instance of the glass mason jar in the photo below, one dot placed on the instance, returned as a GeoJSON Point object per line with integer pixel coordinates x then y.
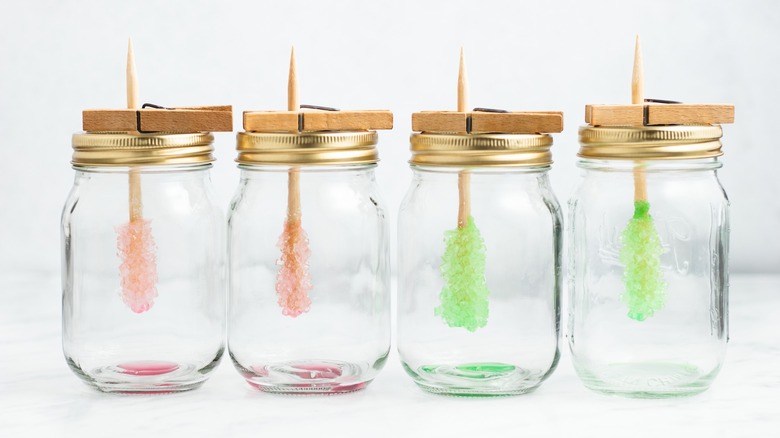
{"type": "Point", "coordinates": [479, 263]}
{"type": "Point", "coordinates": [648, 265]}
{"type": "Point", "coordinates": [309, 305]}
{"type": "Point", "coordinates": [143, 263]}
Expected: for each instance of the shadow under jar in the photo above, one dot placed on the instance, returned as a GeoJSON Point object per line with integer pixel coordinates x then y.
{"type": "Point", "coordinates": [309, 306]}
{"type": "Point", "coordinates": [478, 291]}
{"type": "Point", "coordinates": [648, 311]}
{"type": "Point", "coordinates": [143, 263]}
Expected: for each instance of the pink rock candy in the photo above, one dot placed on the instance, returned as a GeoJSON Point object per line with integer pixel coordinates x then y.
{"type": "Point", "coordinates": [138, 271]}
{"type": "Point", "coordinates": [293, 281]}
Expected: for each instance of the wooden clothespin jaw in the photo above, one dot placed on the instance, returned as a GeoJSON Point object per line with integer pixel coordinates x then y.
{"type": "Point", "coordinates": [154, 118]}
{"type": "Point", "coordinates": [316, 118]}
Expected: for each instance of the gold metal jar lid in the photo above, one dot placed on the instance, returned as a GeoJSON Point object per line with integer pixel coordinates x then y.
{"type": "Point", "coordinates": [481, 150]}
{"type": "Point", "coordinates": [308, 148]}
{"type": "Point", "coordinates": [668, 142]}
{"type": "Point", "coordinates": [156, 149]}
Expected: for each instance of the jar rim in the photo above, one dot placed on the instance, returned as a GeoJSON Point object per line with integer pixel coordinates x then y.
{"type": "Point", "coordinates": [480, 150]}
{"type": "Point", "coordinates": [307, 147]}
{"type": "Point", "coordinates": [667, 142]}
{"type": "Point", "coordinates": [122, 149]}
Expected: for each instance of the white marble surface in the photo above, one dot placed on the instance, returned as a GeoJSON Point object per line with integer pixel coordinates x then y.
{"type": "Point", "coordinates": [39, 396]}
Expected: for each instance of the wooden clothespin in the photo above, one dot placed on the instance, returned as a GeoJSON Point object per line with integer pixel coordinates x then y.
{"type": "Point", "coordinates": [313, 118]}
{"type": "Point", "coordinates": [319, 119]}
{"type": "Point", "coordinates": [656, 112]}
{"type": "Point", "coordinates": [483, 120]}
{"type": "Point", "coordinates": [154, 118]}
{"type": "Point", "coordinates": [649, 112]}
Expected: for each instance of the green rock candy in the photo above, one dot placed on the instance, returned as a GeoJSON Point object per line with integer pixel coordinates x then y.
{"type": "Point", "coordinates": [641, 254]}
{"type": "Point", "coordinates": [464, 298]}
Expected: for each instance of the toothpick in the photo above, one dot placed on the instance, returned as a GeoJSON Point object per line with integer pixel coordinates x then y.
{"type": "Point", "coordinates": [131, 77]}
{"type": "Point", "coordinates": [464, 198]}
{"type": "Point", "coordinates": [463, 86]}
{"type": "Point", "coordinates": [637, 78]}
{"type": "Point", "coordinates": [637, 97]}
{"type": "Point", "coordinates": [134, 178]}
{"type": "Point", "coordinates": [293, 175]}
{"type": "Point", "coordinates": [292, 84]}
{"type": "Point", "coordinates": [464, 177]}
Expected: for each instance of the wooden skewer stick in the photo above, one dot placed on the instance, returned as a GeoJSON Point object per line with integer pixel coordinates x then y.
{"type": "Point", "coordinates": [293, 175]}
{"type": "Point", "coordinates": [464, 177]}
{"type": "Point", "coordinates": [132, 78]}
{"type": "Point", "coordinates": [134, 177]}
{"type": "Point", "coordinates": [637, 97]}
{"type": "Point", "coordinates": [292, 84]}
{"type": "Point", "coordinates": [637, 78]}
{"type": "Point", "coordinates": [463, 86]}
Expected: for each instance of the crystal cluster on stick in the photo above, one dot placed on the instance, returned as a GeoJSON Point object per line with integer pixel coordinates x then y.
{"type": "Point", "coordinates": [645, 288]}
{"type": "Point", "coordinates": [293, 282]}
{"type": "Point", "coordinates": [464, 298]}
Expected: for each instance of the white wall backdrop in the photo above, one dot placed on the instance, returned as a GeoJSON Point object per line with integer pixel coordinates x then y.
{"type": "Point", "coordinates": [59, 57]}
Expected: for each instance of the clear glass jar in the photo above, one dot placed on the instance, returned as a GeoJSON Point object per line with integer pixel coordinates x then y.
{"type": "Point", "coordinates": [507, 343]}
{"type": "Point", "coordinates": [147, 318]}
{"type": "Point", "coordinates": [336, 337]}
{"type": "Point", "coordinates": [653, 324]}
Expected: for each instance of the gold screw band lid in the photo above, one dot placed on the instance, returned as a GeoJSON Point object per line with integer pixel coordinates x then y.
{"type": "Point", "coordinates": [672, 142]}
{"type": "Point", "coordinates": [307, 148]}
{"type": "Point", "coordinates": [157, 149]}
{"type": "Point", "coordinates": [481, 150]}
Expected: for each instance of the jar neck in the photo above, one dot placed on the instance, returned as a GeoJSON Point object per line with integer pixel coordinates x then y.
{"type": "Point", "coordinates": [518, 170]}
{"type": "Point", "coordinates": [700, 164]}
{"type": "Point", "coordinates": [179, 168]}
{"type": "Point", "coordinates": [350, 168]}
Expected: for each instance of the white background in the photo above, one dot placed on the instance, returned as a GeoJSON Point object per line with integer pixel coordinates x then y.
{"type": "Point", "coordinates": [60, 57]}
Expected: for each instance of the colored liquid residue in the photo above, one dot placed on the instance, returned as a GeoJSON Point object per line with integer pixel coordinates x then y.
{"type": "Point", "coordinates": [147, 368]}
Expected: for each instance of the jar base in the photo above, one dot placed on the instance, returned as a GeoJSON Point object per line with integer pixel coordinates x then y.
{"type": "Point", "coordinates": [486, 379]}
{"type": "Point", "coordinates": [145, 377]}
{"type": "Point", "coordinates": [307, 377]}
{"type": "Point", "coordinates": [647, 380]}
